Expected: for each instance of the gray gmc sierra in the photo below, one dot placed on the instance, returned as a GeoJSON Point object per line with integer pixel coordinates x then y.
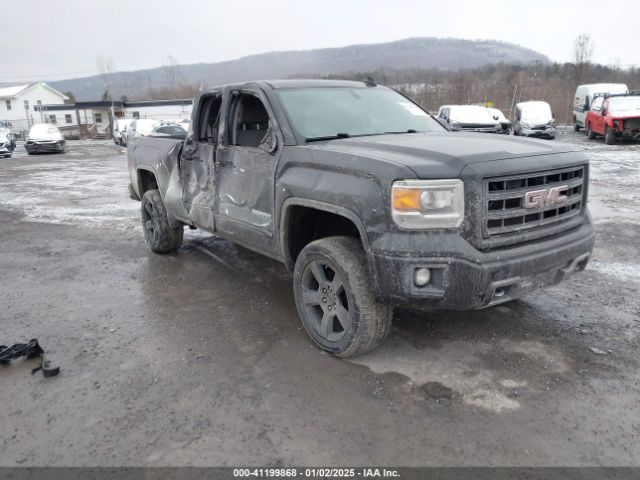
{"type": "Point", "coordinates": [368, 199]}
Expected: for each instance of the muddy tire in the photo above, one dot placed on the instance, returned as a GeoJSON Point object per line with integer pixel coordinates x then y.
{"type": "Point", "coordinates": [610, 137]}
{"type": "Point", "coordinates": [576, 127]}
{"type": "Point", "coordinates": [590, 132]}
{"type": "Point", "coordinates": [160, 235]}
{"type": "Point", "coordinates": [334, 302]}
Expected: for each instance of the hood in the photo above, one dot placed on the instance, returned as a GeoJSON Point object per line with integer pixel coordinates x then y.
{"type": "Point", "coordinates": [539, 120]}
{"type": "Point", "coordinates": [442, 155]}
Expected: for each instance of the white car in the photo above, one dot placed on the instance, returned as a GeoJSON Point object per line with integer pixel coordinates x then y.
{"type": "Point", "coordinates": [535, 119]}
{"type": "Point", "coordinates": [6, 144]}
{"type": "Point", "coordinates": [141, 127]}
{"type": "Point", "coordinates": [44, 137]}
{"type": "Point", "coordinates": [468, 118]}
{"type": "Point", "coordinates": [184, 123]}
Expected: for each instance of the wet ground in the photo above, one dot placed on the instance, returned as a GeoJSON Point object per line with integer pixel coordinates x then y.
{"type": "Point", "coordinates": [198, 358]}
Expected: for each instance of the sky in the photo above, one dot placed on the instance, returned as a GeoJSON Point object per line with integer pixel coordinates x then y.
{"type": "Point", "coordinates": [56, 39]}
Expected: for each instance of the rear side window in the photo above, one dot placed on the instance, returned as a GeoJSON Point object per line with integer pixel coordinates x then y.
{"type": "Point", "coordinates": [209, 118]}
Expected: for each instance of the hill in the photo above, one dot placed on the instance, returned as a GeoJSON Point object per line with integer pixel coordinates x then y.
{"type": "Point", "coordinates": [411, 53]}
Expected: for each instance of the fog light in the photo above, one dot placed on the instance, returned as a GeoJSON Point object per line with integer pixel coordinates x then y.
{"type": "Point", "coordinates": [421, 276]}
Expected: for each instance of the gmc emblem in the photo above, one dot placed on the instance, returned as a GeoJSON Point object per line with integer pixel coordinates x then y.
{"type": "Point", "coordinates": [544, 197]}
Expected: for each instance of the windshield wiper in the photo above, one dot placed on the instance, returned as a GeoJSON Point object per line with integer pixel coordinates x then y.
{"type": "Point", "coordinates": [327, 137]}
{"type": "Point", "coordinates": [349, 135]}
{"type": "Point", "coordinates": [410, 130]}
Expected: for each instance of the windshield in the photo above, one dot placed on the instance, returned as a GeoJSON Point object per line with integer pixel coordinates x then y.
{"type": "Point", "coordinates": [471, 114]}
{"type": "Point", "coordinates": [497, 113]}
{"type": "Point", "coordinates": [330, 112]}
{"type": "Point", "coordinates": [44, 129]}
{"type": "Point", "coordinates": [536, 111]}
{"type": "Point", "coordinates": [624, 105]}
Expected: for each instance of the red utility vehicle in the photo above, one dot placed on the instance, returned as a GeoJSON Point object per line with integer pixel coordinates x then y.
{"type": "Point", "coordinates": [614, 117]}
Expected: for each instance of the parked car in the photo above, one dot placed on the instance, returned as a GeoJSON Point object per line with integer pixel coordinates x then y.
{"type": "Point", "coordinates": [184, 123]}
{"type": "Point", "coordinates": [9, 135]}
{"type": "Point", "coordinates": [614, 117]}
{"type": "Point", "coordinates": [585, 95]}
{"type": "Point", "coordinates": [44, 137]}
{"type": "Point", "coordinates": [368, 200]}
{"type": "Point", "coordinates": [140, 127]}
{"type": "Point", "coordinates": [168, 130]}
{"type": "Point", "coordinates": [6, 145]}
{"type": "Point", "coordinates": [534, 119]}
{"type": "Point", "coordinates": [119, 127]}
{"type": "Point", "coordinates": [505, 123]}
{"type": "Point", "coordinates": [468, 118]}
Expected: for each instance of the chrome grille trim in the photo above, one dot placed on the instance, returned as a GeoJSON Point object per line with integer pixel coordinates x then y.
{"type": "Point", "coordinates": [505, 214]}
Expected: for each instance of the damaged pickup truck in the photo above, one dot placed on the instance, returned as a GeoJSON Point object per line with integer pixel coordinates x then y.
{"type": "Point", "coordinates": [368, 200]}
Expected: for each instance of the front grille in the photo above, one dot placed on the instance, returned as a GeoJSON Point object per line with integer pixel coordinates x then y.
{"type": "Point", "coordinates": [632, 123]}
{"type": "Point", "coordinates": [505, 211]}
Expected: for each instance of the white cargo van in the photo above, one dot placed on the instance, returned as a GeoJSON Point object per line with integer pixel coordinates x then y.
{"type": "Point", "coordinates": [584, 96]}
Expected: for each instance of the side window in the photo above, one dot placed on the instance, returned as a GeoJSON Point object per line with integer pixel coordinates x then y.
{"type": "Point", "coordinates": [597, 104]}
{"type": "Point", "coordinates": [209, 118]}
{"type": "Point", "coordinates": [250, 121]}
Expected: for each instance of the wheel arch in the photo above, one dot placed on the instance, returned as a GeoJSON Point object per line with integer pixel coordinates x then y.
{"type": "Point", "coordinates": [293, 237]}
{"type": "Point", "coordinates": [146, 178]}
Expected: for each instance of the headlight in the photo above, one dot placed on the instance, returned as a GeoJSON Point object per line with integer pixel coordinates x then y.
{"type": "Point", "coordinates": [425, 204]}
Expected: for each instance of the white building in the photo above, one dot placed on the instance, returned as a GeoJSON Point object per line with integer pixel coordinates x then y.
{"type": "Point", "coordinates": [95, 119]}
{"type": "Point", "coordinates": [19, 104]}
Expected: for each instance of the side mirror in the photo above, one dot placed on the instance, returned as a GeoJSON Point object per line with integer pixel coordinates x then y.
{"type": "Point", "coordinates": [454, 126]}
{"type": "Point", "coordinates": [496, 117]}
{"type": "Point", "coordinates": [269, 142]}
{"type": "Point", "coordinates": [603, 111]}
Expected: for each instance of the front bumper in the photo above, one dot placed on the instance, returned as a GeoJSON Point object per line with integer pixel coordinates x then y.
{"type": "Point", "coordinates": [463, 278]}
{"type": "Point", "coordinates": [549, 132]}
{"type": "Point", "coordinates": [35, 147]}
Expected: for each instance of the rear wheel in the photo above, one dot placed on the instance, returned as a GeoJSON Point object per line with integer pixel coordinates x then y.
{"type": "Point", "coordinates": [334, 302]}
{"type": "Point", "coordinates": [576, 127]}
{"type": "Point", "coordinates": [161, 236]}
{"type": "Point", "coordinates": [610, 137]}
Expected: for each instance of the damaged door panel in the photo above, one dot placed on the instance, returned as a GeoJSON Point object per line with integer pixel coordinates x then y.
{"type": "Point", "coordinates": [246, 166]}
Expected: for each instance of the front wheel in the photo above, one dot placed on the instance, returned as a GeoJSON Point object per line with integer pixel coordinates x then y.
{"type": "Point", "coordinates": [610, 137]}
{"type": "Point", "coordinates": [161, 236]}
{"type": "Point", "coordinates": [334, 302]}
{"type": "Point", "coordinates": [590, 133]}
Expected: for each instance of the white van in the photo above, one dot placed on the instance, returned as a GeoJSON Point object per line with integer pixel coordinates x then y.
{"type": "Point", "coordinates": [584, 96]}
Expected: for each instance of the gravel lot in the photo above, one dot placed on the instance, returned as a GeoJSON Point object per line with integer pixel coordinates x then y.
{"type": "Point", "coordinates": [198, 358]}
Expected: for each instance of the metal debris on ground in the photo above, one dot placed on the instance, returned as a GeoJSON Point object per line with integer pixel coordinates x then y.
{"type": "Point", "coordinates": [28, 350]}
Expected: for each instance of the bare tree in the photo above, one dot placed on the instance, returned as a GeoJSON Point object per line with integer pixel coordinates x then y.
{"type": "Point", "coordinates": [581, 56]}
{"type": "Point", "coordinates": [105, 69]}
{"type": "Point", "coordinates": [173, 74]}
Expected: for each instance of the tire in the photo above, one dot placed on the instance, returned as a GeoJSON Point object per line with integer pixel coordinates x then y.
{"type": "Point", "coordinates": [590, 133]}
{"type": "Point", "coordinates": [336, 266]}
{"type": "Point", "coordinates": [576, 127]}
{"type": "Point", "coordinates": [158, 232]}
{"type": "Point", "coordinates": [610, 137]}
